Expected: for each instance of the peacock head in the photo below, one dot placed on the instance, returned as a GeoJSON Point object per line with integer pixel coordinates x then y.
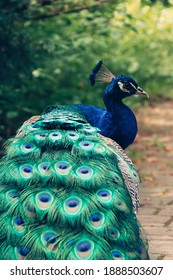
{"type": "Point", "coordinates": [120, 86]}
{"type": "Point", "coordinates": [123, 86]}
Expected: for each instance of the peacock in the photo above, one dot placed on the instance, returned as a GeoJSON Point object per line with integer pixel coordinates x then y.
{"type": "Point", "coordinates": [67, 189]}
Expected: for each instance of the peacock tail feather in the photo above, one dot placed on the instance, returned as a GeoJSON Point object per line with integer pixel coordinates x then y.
{"type": "Point", "coordinates": [67, 192]}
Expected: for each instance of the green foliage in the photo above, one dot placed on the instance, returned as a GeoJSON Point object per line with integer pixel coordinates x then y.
{"type": "Point", "coordinates": [48, 48]}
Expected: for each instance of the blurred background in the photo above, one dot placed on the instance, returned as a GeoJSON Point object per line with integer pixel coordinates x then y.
{"type": "Point", "coordinates": [48, 48]}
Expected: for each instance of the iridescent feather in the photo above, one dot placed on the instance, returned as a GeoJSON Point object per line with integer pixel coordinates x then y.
{"type": "Point", "coordinates": [67, 193]}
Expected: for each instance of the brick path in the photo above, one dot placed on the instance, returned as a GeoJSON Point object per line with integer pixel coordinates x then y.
{"type": "Point", "coordinates": [152, 154]}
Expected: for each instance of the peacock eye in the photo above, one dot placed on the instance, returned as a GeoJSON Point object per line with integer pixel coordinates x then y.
{"type": "Point", "coordinates": [126, 84]}
{"type": "Point", "coordinates": [123, 87]}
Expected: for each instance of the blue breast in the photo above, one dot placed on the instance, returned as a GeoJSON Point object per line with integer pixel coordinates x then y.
{"type": "Point", "coordinates": [119, 125]}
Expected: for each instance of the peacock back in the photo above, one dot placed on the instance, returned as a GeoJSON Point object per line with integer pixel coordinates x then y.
{"type": "Point", "coordinates": [66, 192]}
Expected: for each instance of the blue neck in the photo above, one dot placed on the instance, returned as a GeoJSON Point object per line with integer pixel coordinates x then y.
{"type": "Point", "coordinates": [122, 126]}
{"type": "Point", "coordinates": [118, 122]}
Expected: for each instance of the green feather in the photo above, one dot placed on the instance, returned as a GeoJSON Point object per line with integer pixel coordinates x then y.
{"type": "Point", "coordinates": [67, 193]}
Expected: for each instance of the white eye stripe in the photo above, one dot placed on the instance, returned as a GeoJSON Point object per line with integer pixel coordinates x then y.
{"type": "Point", "coordinates": [139, 89]}
{"type": "Point", "coordinates": [133, 86]}
{"type": "Point", "coordinates": [121, 86]}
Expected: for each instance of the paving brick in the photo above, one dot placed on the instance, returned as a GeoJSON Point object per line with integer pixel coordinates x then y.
{"type": "Point", "coordinates": [158, 231]}
{"type": "Point", "coordinates": [157, 256]}
{"type": "Point", "coordinates": [153, 220]}
{"type": "Point", "coordinates": [156, 193]}
{"type": "Point", "coordinates": [168, 257]}
{"type": "Point", "coordinates": [166, 211]}
{"type": "Point", "coordinates": [161, 247]}
{"type": "Point", "coordinates": [158, 237]}
{"type": "Point", "coordinates": [147, 211]}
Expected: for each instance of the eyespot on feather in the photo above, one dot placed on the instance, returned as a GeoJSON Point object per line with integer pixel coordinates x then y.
{"type": "Point", "coordinates": [22, 252]}
{"type": "Point", "coordinates": [114, 233]}
{"type": "Point", "coordinates": [27, 148]}
{"type": "Point", "coordinates": [50, 239]}
{"type": "Point", "coordinates": [30, 209]}
{"type": "Point", "coordinates": [15, 173]}
{"type": "Point", "coordinates": [120, 205]}
{"type": "Point", "coordinates": [44, 168]}
{"type": "Point", "coordinates": [26, 171]}
{"type": "Point", "coordinates": [90, 129]}
{"type": "Point", "coordinates": [135, 175]}
{"type": "Point", "coordinates": [12, 195]}
{"type": "Point", "coordinates": [84, 249]}
{"type": "Point", "coordinates": [55, 136]}
{"type": "Point", "coordinates": [96, 219]}
{"type": "Point", "coordinates": [62, 167]}
{"type": "Point", "coordinates": [33, 126]}
{"type": "Point", "coordinates": [85, 172]}
{"type": "Point", "coordinates": [19, 224]}
{"type": "Point", "coordinates": [41, 136]}
{"type": "Point", "coordinates": [86, 145]}
{"type": "Point", "coordinates": [116, 255]}
{"type": "Point", "coordinates": [104, 195]}
{"type": "Point", "coordinates": [73, 135]}
{"type": "Point", "coordinates": [73, 205]}
{"type": "Point", "coordinates": [44, 200]}
{"type": "Point", "coordinates": [139, 250]}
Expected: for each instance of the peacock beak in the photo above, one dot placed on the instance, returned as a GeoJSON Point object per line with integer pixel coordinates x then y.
{"type": "Point", "coordinates": [140, 91]}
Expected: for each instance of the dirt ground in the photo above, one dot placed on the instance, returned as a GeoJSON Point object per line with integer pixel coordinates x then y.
{"type": "Point", "coordinates": [152, 154]}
